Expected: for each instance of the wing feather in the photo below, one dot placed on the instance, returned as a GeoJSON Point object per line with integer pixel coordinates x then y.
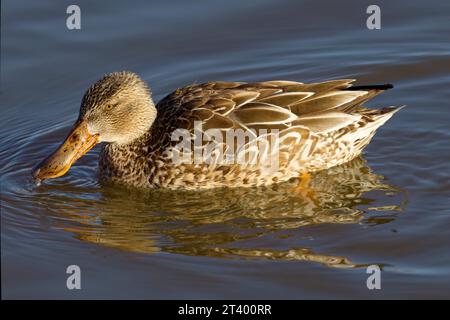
{"type": "Point", "coordinates": [323, 122]}
{"type": "Point", "coordinates": [241, 97]}
{"type": "Point", "coordinates": [325, 101]}
{"type": "Point", "coordinates": [286, 99]}
{"type": "Point", "coordinates": [263, 114]}
{"type": "Point", "coordinates": [317, 107]}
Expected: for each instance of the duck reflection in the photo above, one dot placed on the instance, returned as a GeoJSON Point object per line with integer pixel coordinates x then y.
{"type": "Point", "coordinates": [256, 223]}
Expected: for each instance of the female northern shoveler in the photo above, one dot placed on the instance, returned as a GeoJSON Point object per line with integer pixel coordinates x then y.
{"type": "Point", "coordinates": [317, 126]}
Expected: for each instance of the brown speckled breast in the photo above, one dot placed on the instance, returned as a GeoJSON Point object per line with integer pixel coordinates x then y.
{"type": "Point", "coordinates": [327, 118]}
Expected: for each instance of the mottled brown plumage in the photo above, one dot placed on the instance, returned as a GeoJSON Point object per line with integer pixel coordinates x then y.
{"type": "Point", "coordinates": [321, 125]}
{"type": "Point", "coordinates": [304, 127]}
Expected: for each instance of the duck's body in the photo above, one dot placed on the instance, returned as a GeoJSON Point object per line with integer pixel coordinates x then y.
{"type": "Point", "coordinates": [217, 134]}
{"type": "Point", "coordinates": [319, 125]}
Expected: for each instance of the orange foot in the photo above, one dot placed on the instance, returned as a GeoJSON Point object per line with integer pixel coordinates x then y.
{"type": "Point", "coordinates": [303, 186]}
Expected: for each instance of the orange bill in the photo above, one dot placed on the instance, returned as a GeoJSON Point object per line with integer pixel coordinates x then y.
{"type": "Point", "coordinates": [78, 142]}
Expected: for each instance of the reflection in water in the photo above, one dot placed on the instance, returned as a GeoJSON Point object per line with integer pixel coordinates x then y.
{"type": "Point", "coordinates": [227, 223]}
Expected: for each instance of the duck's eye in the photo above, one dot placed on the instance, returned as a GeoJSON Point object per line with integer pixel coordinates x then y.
{"type": "Point", "coordinates": [108, 106]}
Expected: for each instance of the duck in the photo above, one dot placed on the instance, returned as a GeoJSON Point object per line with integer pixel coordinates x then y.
{"type": "Point", "coordinates": [218, 134]}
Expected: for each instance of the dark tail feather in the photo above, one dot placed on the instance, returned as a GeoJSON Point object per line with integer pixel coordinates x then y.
{"type": "Point", "coordinates": [372, 91]}
{"type": "Point", "coordinates": [372, 87]}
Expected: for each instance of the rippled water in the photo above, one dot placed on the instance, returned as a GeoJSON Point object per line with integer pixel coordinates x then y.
{"type": "Point", "coordinates": [390, 207]}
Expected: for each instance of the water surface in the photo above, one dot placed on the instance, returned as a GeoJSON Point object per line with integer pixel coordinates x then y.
{"type": "Point", "coordinates": [390, 207]}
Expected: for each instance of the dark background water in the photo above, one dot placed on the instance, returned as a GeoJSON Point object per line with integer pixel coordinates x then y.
{"type": "Point", "coordinates": [390, 207]}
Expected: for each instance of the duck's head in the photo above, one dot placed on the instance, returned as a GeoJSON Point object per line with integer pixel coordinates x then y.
{"type": "Point", "coordinates": [116, 109]}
